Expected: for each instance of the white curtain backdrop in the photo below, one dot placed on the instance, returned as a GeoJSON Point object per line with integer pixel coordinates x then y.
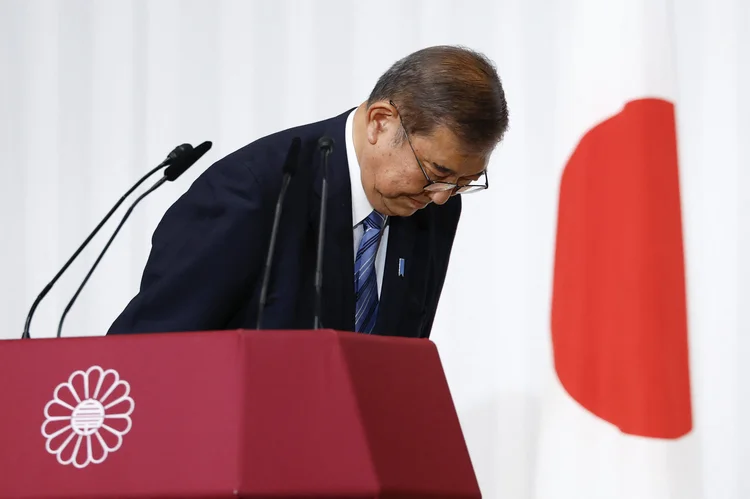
{"type": "Point", "coordinates": [94, 94]}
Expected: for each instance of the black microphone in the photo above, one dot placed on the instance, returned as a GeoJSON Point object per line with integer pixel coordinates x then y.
{"type": "Point", "coordinates": [176, 155]}
{"type": "Point", "coordinates": [290, 168]}
{"type": "Point", "coordinates": [176, 168]}
{"type": "Point", "coordinates": [325, 144]}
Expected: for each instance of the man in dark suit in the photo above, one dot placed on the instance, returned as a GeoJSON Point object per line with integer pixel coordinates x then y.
{"type": "Point", "coordinates": [400, 163]}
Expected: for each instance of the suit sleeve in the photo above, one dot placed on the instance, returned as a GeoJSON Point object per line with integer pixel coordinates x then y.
{"type": "Point", "coordinates": [206, 254]}
{"type": "Point", "coordinates": [444, 233]}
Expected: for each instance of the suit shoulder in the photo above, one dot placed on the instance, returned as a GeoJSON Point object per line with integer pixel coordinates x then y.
{"type": "Point", "coordinates": [265, 156]}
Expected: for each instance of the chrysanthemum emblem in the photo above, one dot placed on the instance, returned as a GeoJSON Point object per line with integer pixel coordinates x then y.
{"type": "Point", "coordinates": [88, 417]}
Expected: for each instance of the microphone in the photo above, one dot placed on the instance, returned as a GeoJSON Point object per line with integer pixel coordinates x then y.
{"type": "Point", "coordinates": [177, 167]}
{"type": "Point", "coordinates": [176, 153]}
{"type": "Point", "coordinates": [290, 168]}
{"type": "Point", "coordinates": [173, 157]}
{"type": "Point", "coordinates": [325, 144]}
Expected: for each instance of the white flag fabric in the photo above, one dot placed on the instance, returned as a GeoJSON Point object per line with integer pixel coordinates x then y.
{"type": "Point", "coordinates": [616, 419]}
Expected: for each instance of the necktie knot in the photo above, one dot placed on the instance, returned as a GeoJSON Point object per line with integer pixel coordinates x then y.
{"type": "Point", "coordinates": [374, 220]}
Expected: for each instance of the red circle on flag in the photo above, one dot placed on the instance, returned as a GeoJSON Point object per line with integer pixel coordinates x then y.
{"type": "Point", "coordinates": [619, 319]}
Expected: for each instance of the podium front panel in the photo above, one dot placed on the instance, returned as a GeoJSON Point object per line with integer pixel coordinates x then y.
{"type": "Point", "coordinates": [152, 415]}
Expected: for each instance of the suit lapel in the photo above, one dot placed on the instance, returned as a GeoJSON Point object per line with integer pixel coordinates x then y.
{"type": "Point", "coordinates": [402, 236]}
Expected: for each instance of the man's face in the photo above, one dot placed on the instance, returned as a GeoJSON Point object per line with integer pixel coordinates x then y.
{"type": "Point", "coordinates": [391, 173]}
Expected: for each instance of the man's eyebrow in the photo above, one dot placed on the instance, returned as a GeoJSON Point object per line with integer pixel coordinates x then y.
{"type": "Point", "coordinates": [442, 169]}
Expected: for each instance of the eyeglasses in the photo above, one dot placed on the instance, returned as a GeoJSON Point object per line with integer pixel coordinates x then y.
{"type": "Point", "coordinates": [438, 185]}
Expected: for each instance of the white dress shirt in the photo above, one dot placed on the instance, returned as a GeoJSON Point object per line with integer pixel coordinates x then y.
{"type": "Point", "coordinates": [361, 207]}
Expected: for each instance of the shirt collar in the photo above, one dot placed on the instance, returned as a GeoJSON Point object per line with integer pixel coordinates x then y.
{"type": "Point", "coordinates": [361, 207]}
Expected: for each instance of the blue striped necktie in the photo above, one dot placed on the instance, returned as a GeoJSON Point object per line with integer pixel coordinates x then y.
{"type": "Point", "coordinates": [365, 283]}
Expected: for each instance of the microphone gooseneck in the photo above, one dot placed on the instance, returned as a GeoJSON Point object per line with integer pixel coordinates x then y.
{"type": "Point", "coordinates": [290, 167]}
{"type": "Point", "coordinates": [325, 144]}
{"type": "Point", "coordinates": [174, 156]}
{"type": "Point", "coordinates": [177, 167]}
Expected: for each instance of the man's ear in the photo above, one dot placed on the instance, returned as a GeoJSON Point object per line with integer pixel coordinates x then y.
{"type": "Point", "coordinates": [381, 117]}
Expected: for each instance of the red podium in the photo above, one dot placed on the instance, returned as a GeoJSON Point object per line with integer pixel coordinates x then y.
{"type": "Point", "coordinates": [314, 414]}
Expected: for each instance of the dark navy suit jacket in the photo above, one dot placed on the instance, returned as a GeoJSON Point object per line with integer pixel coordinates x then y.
{"type": "Point", "coordinates": [205, 267]}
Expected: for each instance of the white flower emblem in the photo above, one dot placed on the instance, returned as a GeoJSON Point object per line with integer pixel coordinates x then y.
{"type": "Point", "coordinates": [87, 417]}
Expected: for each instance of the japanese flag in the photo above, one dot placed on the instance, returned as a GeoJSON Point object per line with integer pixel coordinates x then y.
{"type": "Point", "coordinates": [616, 419]}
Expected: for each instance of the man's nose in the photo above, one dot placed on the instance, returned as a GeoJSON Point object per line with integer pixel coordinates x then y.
{"type": "Point", "coordinates": [440, 197]}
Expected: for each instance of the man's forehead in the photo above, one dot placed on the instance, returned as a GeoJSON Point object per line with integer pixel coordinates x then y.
{"type": "Point", "coordinates": [455, 164]}
{"type": "Point", "coordinates": [446, 155]}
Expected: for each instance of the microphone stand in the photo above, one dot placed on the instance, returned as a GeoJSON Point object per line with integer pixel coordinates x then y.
{"type": "Point", "coordinates": [176, 153]}
{"type": "Point", "coordinates": [173, 171]}
{"type": "Point", "coordinates": [326, 147]}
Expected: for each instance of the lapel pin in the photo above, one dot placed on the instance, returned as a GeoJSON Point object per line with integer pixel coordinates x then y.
{"type": "Point", "coordinates": [401, 263]}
